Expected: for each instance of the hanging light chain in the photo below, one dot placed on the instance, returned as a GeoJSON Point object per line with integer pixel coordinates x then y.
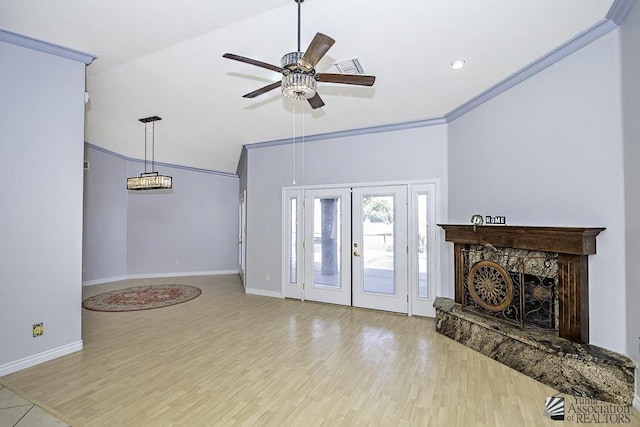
{"type": "Point", "coordinates": [145, 148]}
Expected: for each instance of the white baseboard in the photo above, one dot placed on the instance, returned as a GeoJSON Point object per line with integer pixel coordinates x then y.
{"type": "Point", "coordinates": [262, 292]}
{"type": "Point", "coordinates": [157, 276]}
{"type": "Point", "coordinates": [636, 403]}
{"type": "Point", "coordinates": [104, 280]}
{"type": "Point", "coordinates": [36, 359]}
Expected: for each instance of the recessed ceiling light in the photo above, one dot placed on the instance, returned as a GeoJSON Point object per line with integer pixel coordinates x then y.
{"type": "Point", "coordinates": [457, 64]}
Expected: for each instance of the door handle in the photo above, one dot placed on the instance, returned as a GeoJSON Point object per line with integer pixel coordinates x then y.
{"type": "Point", "coordinates": [356, 253]}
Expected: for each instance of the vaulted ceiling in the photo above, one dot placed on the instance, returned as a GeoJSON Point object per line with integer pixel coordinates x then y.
{"type": "Point", "coordinates": [165, 59]}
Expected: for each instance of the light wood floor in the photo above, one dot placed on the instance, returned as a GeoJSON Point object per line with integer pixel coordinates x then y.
{"type": "Point", "coordinates": [227, 358]}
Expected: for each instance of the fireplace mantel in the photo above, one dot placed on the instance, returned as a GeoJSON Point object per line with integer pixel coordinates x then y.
{"type": "Point", "coordinates": [566, 240]}
{"type": "Point", "coordinates": [572, 244]}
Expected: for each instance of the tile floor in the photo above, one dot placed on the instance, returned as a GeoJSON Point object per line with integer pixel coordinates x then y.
{"type": "Point", "coordinates": [16, 411]}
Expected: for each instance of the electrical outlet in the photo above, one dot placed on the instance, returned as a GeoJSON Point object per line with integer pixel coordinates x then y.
{"type": "Point", "coordinates": [38, 329]}
{"type": "Point", "coordinates": [267, 278]}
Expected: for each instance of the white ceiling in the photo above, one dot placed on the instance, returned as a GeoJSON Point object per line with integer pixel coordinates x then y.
{"type": "Point", "coordinates": [165, 59]}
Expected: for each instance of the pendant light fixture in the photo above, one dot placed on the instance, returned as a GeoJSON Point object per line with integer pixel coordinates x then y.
{"type": "Point", "coordinates": [149, 180]}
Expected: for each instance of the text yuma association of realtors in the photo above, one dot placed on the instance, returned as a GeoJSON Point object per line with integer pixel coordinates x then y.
{"type": "Point", "coordinates": [587, 410]}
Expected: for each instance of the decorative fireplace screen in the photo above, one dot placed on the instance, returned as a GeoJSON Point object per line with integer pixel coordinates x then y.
{"type": "Point", "coordinates": [515, 285]}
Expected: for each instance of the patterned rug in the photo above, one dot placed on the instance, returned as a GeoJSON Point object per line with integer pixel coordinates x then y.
{"type": "Point", "coordinates": [141, 298]}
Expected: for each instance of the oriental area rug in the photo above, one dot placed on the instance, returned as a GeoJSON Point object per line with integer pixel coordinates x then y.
{"type": "Point", "coordinates": [141, 298]}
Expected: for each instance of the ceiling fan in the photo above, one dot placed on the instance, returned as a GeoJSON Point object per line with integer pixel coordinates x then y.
{"type": "Point", "coordinates": [299, 75]}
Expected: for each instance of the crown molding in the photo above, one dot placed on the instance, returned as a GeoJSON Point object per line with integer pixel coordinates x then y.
{"type": "Point", "coordinates": [167, 165]}
{"type": "Point", "coordinates": [352, 132]}
{"type": "Point", "coordinates": [619, 10]}
{"type": "Point", "coordinates": [242, 161]}
{"type": "Point", "coordinates": [46, 47]}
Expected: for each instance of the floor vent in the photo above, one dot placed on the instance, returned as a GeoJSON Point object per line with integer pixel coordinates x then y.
{"type": "Point", "coordinates": [349, 66]}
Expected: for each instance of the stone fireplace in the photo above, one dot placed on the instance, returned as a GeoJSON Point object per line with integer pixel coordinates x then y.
{"type": "Point", "coordinates": [516, 286]}
{"type": "Point", "coordinates": [522, 298]}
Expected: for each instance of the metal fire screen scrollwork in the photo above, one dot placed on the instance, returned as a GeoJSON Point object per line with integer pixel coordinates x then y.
{"type": "Point", "coordinates": [514, 285]}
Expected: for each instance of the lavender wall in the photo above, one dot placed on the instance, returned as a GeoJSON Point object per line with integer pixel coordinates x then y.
{"type": "Point", "coordinates": [41, 150]}
{"type": "Point", "coordinates": [190, 229]}
{"type": "Point", "coordinates": [105, 217]}
{"type": "Point", "coordinates": [550, 152]}
{"type": "Point", "coordinates": [630, 54]}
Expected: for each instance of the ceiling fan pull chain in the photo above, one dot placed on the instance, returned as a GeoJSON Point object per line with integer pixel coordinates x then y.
{"type": "Point", "coordinates": [294, 145]}
{"type": "Point", "coordinates": [303, 150]}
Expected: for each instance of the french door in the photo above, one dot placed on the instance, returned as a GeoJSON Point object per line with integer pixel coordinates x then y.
{"type": "Point", "coordinates": [365, 246]}
{"type": "Point", "coordinates": [327, 233]}
{"type": "Point", "coordinates": [379, 248]}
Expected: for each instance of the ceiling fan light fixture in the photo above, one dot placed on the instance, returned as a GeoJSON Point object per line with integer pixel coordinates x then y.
{"type": "Point", "coordinates": [290, 60]}
{"type": "Point", "coordinates": [299, 86]}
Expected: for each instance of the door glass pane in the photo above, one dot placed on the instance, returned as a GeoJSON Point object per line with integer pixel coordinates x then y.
{"type": "Point", "coordinates": [326, 242]}
{"type": "Point", "coordinates": [377, 244]}
{"type": "Point", "coordinates": [423, 289]}
{"type": "Point", "coordinates": [293, 240]}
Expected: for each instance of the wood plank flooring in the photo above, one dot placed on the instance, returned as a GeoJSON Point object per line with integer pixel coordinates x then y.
{"type": "Point", "coordinates": [227, 358]}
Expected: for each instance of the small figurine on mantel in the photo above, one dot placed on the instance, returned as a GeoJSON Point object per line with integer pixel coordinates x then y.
{"type": "Point", "coordinates": [476, 220]}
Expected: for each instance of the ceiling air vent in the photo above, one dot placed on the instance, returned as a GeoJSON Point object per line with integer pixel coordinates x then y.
{"type": "Point", "coordinates": [349, 66]}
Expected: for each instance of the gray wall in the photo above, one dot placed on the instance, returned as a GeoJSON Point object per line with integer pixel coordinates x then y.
{"type": "Point", "coordinates": [630, 40]}
{"type": "Point", "coordinates": [411, 154]}
{"type": "Point", "coordinates": [105, 217]}
{"type": "Point", "coordinates": [549, 152]}
{"type": "Point", "coordinates": [41, 152]}
{"type": "Point", "coordinates": [189, 229]}
{"type": "Point", "coordinates": [242, 171]}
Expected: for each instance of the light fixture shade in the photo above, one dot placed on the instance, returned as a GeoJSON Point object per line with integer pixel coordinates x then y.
{"type": "Point", "coordinates": [298, 86]}
{"type": "Point", "coordinates": [290, 60]}
{"type": "Point", "coordinates": [149, 181]}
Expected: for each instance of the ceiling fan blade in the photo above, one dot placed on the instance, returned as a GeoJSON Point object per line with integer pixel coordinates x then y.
{"type": "Point", "coordinates": [253, 62]}
{"type": "Point", "coordinates": [316, 101]}
{"type": "Point", "coordinates": [262, 90]}
{"type": "Point", "coordinates": [347, 79]}
{"type": "Point", "coordinates": [319, 46]}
